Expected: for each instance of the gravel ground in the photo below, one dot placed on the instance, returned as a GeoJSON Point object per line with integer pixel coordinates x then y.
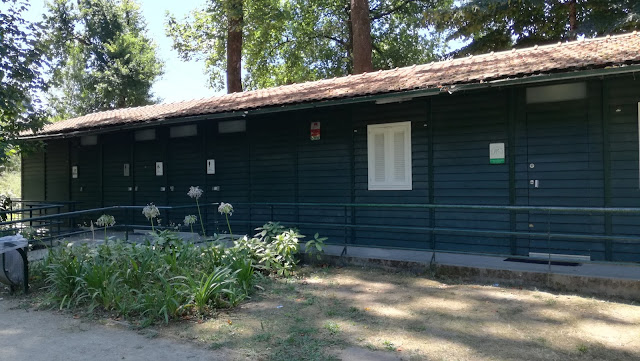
{"type": "Point", "coordinates": [27, 334]}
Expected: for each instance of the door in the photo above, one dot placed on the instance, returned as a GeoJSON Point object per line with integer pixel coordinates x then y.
{"type": "Point", "coordinates": [149, 177]}
{"type": "Point", "coordinates": [185, 168]}
{"type": "Point", "coordinates": [118, 175]}
{"type": "Point", "coordinates": [564, 169]}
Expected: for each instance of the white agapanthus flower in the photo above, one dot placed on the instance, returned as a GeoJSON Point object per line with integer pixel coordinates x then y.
{"type": "Point", "coordinates": [189, 220]}
{"type": "Point", "coordinates": [195, 192]}
{"type": "Point", "coordinates": [225, 208]}
{"type": "Point", "coordinates": [106, 220]}
{"type": "Point", "coordinates": [151, 211]}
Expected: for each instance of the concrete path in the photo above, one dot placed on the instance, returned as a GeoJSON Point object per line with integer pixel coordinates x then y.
{"type": "Point", "coordinates": [601, 270]}
{"type": "Point", "coordinates": [46, 336]}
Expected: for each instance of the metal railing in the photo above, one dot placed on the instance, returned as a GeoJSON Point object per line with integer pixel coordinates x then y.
{"type": "Point", "coordinates": [430, 227]}
{"type": "Point", "coordinates": [50, 226]}
{"type": "Point", "coordinates": [416, 226]}
{"type": "Point", "coordinates": [21, 214]}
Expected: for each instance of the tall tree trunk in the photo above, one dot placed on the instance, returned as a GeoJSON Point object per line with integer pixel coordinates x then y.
{"type": "Point", "coordinates": [572, 20]}
{"type": "Point", "coordinates": [361, 30]}
{"type": "Point", "coordinates": [234, 46]}
{"type": "Point", "coordinates": [349, 43]}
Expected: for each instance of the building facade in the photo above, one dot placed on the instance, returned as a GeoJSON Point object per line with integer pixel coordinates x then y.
{"type": "Point", "coordinates": [469, 155]}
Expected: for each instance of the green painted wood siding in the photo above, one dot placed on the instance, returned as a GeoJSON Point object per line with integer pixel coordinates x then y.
{"type": "Point", "coordinates": [464, 126]}
{"type": "Point", "coordinates": [58, 171]}
{"type": "Point", "coordinates": [232, 169]}
{"type": "Point", "coordinates": [324, 170]}
{"type": "Point", "coordinates": [273, 167]}
{"type": "Point", "coordinates": [185, 168]}
{"type": "Point", "coordinates": [416, 113]}
{"type": "Point", "coordinates": [621, 98]}
{"type": "Point", "coordinates": [32, 179]}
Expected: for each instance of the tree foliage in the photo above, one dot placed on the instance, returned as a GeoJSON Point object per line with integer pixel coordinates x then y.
{"type": "Point", "coordinates": [21, 62]}
{"type": "Point", "coordinates": [103, 56]}
{"type": "Point", "coordinates": [502, 24]}
{"type": "Point", "coordinates": [289, 41]}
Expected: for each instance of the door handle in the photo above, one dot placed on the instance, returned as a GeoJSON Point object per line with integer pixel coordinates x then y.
{"type": "Point", "coordinates": [535, 183]}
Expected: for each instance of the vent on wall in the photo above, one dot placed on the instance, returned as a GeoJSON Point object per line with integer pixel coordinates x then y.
{"type": "Point", "coordinates": [183, 131]}
{"type": "Point", "coordinates": [232, 126]}
{"type": "Point", "coordinates": [146, 134]}
{"type": "Point", "coordinates": [556, 93]}
{"type": "Point", "coordinates": [89, 140]}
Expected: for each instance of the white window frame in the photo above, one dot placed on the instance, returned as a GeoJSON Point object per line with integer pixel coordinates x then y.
{"type": "Point", "coordinates": [388, 129]}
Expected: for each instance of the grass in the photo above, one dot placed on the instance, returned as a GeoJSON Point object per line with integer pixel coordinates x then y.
{"type": "Point", "coordinates": [327, 313]}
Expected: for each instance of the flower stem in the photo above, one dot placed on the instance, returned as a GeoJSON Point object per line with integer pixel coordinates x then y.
{"type": "Point", "coordinates": [152, 229]}
{"type": "Point", "coordinates": [229, 225]}
{"type": "Point", "coordinates": [200, 214]}
{"type": "Point", "coordinates": [191, 227]}
{"type": "Point", "coordinates": [105, 234]}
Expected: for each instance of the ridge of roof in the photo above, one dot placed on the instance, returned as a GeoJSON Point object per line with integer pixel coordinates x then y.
{"type": "Point", "coordinates": [579, 54]}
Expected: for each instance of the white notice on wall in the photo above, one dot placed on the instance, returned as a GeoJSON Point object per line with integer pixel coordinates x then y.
{"type": "Point", "coordinates": [126, 170]}
{"type": "Point", "coordinates": [159, 168]}
{"type": "Point", "coordinates": [211, 166]}
{"type": "Point", "coordinates": [496, 153]}
{"type": "Point", "coordinates": [74, 172]}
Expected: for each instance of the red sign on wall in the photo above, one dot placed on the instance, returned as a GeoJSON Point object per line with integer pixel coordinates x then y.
{"type": "Point", "coordinates": [315, 131]}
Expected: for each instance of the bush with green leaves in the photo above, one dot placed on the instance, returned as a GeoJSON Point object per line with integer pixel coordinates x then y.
{"type": "Point", "coordinates": [273, 249]}
{"type": "Point", "coordinates": [166, 277]}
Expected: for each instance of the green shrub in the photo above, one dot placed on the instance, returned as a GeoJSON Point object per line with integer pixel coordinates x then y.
{"type": "Point", "coordinates": [273, 249]}
{"type": "Point", "coordinates": [165, 277]}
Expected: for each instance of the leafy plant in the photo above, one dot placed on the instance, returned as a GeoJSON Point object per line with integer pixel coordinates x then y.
{"type": "Point", "coordinates": [315, 246]}
{"type": "Point", "coordinates": [166, 277]}
{"type": "Point", "coordinates": [273, 248]}
{"type": "Point", "coordinates": [211, 288]}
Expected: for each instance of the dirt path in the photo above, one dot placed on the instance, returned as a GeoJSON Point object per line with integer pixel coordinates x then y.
{"type": "Point", "coordinates": [26, 334]}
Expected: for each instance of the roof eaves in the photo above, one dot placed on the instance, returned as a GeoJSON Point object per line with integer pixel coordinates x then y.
{"type": "Point", "coordinates": [489, 82]}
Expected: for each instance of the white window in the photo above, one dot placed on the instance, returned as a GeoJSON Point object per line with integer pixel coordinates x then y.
{"type": "Point", "coordinates": [389, 154]}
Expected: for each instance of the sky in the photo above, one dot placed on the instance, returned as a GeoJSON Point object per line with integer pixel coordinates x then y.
{"type": "Point", "coordinates": [181, 80]}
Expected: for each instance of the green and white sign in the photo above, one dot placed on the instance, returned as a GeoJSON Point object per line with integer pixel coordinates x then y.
{"type": "Point", "coordinates": [496, 153]}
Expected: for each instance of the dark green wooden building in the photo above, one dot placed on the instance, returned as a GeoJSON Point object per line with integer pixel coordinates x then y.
{"type": "Point", "coordinates": [550, 126]}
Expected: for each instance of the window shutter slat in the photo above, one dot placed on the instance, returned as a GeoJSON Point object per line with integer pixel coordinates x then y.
{"type": "Point", "coordinates": [399, 157]}
{"type": "Point", "coordinates": [379, 164]}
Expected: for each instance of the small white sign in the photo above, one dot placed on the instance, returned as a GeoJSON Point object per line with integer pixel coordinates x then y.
{"type": "Point", "coordinates": [159, 170]}
{"type": "Point", "coordinates": [126, 170]}
{"type": "Point", "coordinates": [211, 166]}
{"type": "Point", "coordinates": [74, 172]}
{"type": "Point", "coordinates": [496, 153]}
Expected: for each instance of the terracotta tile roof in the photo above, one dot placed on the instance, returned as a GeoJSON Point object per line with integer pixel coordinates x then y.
{"type": "Point", "coordinates": [562, 57]}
